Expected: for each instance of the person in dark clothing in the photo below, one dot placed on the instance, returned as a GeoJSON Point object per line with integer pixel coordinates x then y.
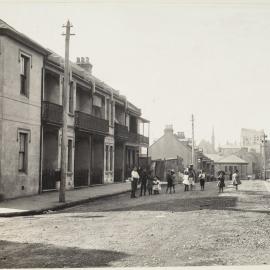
{"type": "Point", "coordinates": [143, 178]}
{"type": "Point", "coordinates": [150, 185]}
{"type": "Point", "coordinates": [169, 181]}
{"type": "Point", "coordinates": [173, 176]}
{"type": "Point", "coordinates": [221, 181]}
{"type": "Point", "coordinates": [202, 177]}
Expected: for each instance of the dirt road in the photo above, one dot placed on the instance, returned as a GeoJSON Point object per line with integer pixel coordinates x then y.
{"type": "Point", "coordinates": [185, 228]}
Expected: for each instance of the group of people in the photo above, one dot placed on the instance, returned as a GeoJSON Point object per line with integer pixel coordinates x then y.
{"type": "Point", "coordinates": [190, 177]}
{"type": "Point", "coordinates": [171, 181]}
{"type": "Point", "coordinates": [148, 183]}
{"type": "Point", "coordinates": [221, 180]}
{"type": "Point", "coordinates": [153, 184]}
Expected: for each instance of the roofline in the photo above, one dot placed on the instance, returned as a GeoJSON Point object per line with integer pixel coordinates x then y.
{"type": "Point", "coordinates": [24, 40]}
{"type": "Point", "coordinates": [231, 162]}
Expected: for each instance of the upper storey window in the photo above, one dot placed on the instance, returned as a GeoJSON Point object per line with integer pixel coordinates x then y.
{"type": "Point", "coordinates": [25, 65]}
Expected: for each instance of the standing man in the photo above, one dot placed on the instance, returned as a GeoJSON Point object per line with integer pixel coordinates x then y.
{"type": "Point", "coordinates": [173, 176]}
{"type": "Point", "coordinates": [202, 179]}
{"type": "Point", "coordinates": [134, 182]}
{"type": "Point", "coordinates": [143, 178]}
{"type": "Point", "coordinates": [169, 181]}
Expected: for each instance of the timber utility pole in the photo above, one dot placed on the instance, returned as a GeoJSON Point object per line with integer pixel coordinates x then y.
{"type": "Point", "coordinates": [62, 197]}
{"type": "Point", "coordinates": [264, 141]}
{"type": "Point", "coordinates": [193, 150]}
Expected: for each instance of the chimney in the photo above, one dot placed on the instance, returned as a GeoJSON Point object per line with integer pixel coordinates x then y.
{"type": "Point", "coordinates": [84, 63]}
{"type": "Point", "coordinates": [181, 135]}
{"type": "Point", "coordinates": [168, 129]}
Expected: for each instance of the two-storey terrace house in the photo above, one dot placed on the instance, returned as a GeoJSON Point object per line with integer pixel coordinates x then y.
{"type": "Point", "coordinates": [105, 131]}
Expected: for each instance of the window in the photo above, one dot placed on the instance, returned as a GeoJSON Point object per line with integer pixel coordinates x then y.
{"type": "Point", "coordinates": [97, 111]}
{"type": "Point", "coordinates": [108, 109]}
{"type": "Point", "coordinates": [24, 74]}
{"type": "Point", "coordinates": [112, 105]}
{"type": "Point", "coordinates": [69, 167]}
{"type": "Point", "coordinates": [23, 152]}
{"type": "Point", "coordinates": [111, 158]}
{"type": "Point", "coordinates": [107, 157]}
{"type": "Point", "coordinates": [71, 100]}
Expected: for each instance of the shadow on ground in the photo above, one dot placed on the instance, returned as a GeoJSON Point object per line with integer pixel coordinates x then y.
{"type": "Point", "coordinates": [169, 205]}
{"type": "Point", "coordinates": [184, 205]}
{"type": "Point", "coordinates": [25, 255]}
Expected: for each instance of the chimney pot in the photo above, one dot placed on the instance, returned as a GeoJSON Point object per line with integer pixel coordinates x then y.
{"type": "Point", "coordinates": [78, 60]}
{"type": "Point", "coordinates": [82, 60]}
{"type": "Point", "coordinates": [87, 60]}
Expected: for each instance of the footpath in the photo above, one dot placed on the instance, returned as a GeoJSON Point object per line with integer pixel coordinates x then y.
{"type": "Point", "coordinates": [49, 201]}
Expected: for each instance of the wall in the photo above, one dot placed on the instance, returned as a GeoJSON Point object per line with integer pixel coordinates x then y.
{"type": "Point", "coordinates": [120, 114]}
{"type": "Point", "coordinates": [83, 101]}
{"type": "Point", "coordinates": [169, 147]}
{"type": "Point", "coordinates": [97, 160]}
{"type": "Point", "coordinates": [19, 112]}
{"type": "Point", "coordinates": [50, 149]}
{"type": "Point", "coordinates": [52, 88]}
{"type": "Point", "coordinates": [242, 168]}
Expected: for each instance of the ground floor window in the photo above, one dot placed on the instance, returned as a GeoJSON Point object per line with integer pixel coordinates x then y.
{"type": "Point", "coordinates": [69, 167]}
{"type": "Point", "coordinates": [23, 140]}
{"type": "Point", "coordinates": [109, 157]}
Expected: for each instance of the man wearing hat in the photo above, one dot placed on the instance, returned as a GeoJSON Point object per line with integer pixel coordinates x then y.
{"type": "Point", "coordinates": [173, 179]}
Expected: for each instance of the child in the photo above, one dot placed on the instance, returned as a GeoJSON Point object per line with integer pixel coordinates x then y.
{"type": "Point", "coordinates": [221, 181]}
{"type": "Point", "coordinates": [235, 179]}
{"type": "Point", "coordinates": [202, 179]}
{"type": "Point", "coordinates": [156, 186]}
{"type": "Point", "coordinates": [186, 181]}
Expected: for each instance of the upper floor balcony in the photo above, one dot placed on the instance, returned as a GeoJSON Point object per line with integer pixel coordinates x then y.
{"type": "Point", "coordinates": [121, 132]}
{"type": "Point", "coordinates": [92, 124]}
{"type": "Point", "coordinates": [137, 138]}
{"type": "Point", "coordinates": [52, 113]}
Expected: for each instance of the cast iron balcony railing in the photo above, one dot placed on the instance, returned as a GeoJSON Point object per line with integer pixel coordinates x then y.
{"type": "Point", "coordinates": [144, 140]}
{"type": "Point", "coordinates": [121, 132]}
{"type": "Point", "coordinates": [137, 138]}
{"type": "Point", "coordinates": [52, 113]}
{"type": "Point", "coordinates": [89, 123]}
{"type": "Point", "coordinates": [133, 137]}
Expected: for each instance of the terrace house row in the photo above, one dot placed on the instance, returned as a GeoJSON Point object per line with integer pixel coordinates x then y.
{"type": "Point", "coordinates": [106, 133]}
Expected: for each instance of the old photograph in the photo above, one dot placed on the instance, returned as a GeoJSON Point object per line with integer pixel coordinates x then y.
{"type": "Point", "coordinates": [134, 133]}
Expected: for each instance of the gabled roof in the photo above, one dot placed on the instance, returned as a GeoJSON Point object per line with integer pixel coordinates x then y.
{"type": "Point", "coordinates": [232, 159]}
{"type": "Point", "coordinates": [9, 31]}
{"type": "Point", "coordinates": [214, 157]}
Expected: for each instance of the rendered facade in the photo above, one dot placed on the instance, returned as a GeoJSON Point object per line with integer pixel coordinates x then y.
{"type": "Point", "coordinates": [105, 131]}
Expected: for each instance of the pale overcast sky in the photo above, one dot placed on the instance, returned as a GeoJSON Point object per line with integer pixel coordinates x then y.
{"type": "Point", "coordinates": [170, 58]}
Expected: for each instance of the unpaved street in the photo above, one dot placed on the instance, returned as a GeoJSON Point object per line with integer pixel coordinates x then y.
{"type": "Point", "coordinates": [185, 228]}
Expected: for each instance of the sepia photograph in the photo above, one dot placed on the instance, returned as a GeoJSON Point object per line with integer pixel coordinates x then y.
{"type": "Point", "coordinates": [135, 134]}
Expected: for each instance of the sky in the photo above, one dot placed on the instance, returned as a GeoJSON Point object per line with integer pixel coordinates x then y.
{"type": "Point", "coordinates": [172, 59]}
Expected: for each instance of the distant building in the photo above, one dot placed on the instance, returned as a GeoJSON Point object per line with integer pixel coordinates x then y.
{"type": "Point", "coordinates": [252, 138]}
{"type": "Point", "coordinates": [229, 164]}
{"type": "Point", "coordinates": [208, 147]}
{"type": "Point", "coordinates": [171, 145]}
{"type": "Point", "coordinates": [177, 146]}
{"type": "Point", "coordinates": [228, 149]}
